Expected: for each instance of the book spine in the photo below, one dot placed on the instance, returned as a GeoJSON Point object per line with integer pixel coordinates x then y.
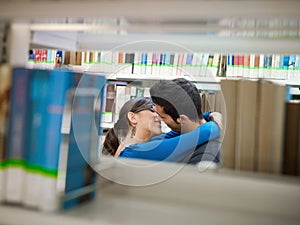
{"type": "Point", "coordinates": [83, 140]}
{"type": "Point", "coordinates": [265, 126]}
{"type": "Point", "coordinates": [59, 83]}
{"type": "Point", "coordinates": [229, 90]}
{"type": "Point", "coordinates": [291, 138]}
{"type": "Point", "coordinates": [5, 89]}
{"type": "Point", "coordinates": [278, 128]}
{"type": "Point", "coordinates": [17, 136]}
{"type": "Point", "coordinates": [246, 119]}
{"type": "Point", "coordinates": [38, 93]}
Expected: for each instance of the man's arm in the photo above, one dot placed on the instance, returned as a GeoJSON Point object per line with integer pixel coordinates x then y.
{"type": "Point", "coordinates": [173, 149]}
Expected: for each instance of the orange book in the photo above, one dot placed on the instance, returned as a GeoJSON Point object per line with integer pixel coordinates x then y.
{"type": "Point", "coordinates": [256, 66]}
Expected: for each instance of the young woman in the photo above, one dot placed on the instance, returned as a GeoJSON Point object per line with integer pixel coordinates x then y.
{"type": "Point", "coordinates": [138, 122]}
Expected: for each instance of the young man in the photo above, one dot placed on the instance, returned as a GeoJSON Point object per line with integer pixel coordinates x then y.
{"type": "Point", "coordinates": [178, 103]}
{"type": "Point", "coordinates": [192, 139]}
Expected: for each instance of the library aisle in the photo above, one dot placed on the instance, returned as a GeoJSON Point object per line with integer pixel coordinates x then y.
{"type": "Point", "coordinates": [258, 40]}
{"type": "Point", "coordinates": [189, 197]}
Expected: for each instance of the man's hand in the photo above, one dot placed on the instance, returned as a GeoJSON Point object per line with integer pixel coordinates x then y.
{"type": "Point", "coordinates": [217, 118]}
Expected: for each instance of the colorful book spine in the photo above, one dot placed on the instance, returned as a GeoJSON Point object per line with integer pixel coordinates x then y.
{"type": "Point", "coordinates": [258, 66]}
{"type": "Point", "coordinates": [17, 136]}
{"type": "Point", "coordinates": [229, 72]}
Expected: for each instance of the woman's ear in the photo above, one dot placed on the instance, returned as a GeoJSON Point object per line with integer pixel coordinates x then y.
{"type": "Point", "coordinates": [132, 118]}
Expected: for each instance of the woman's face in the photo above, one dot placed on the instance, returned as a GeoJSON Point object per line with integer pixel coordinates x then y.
{"type": "Point", "coordinates": [149, 122]}
{"type": "Point", "coordinates": [167, 119]}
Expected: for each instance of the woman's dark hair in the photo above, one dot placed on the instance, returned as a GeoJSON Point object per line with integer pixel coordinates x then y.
{"type": "Point", "coordinates": [178, 96]}
{"type": "Point", "coordinates": [121, 127]}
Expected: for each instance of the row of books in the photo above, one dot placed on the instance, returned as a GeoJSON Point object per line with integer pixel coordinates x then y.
{"type": "Point", "coordinates": [45, 58]}
{"type": "Point", "coordinates": [261, 127]}
{"type": "Point", "coordinates": [40, 165]}
{"type": "Point", "coordinates": [274, 66]}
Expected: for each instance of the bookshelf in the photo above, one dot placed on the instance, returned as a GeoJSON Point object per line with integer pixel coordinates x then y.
{"type": "Point", "coordinates": [194, 25]}
{"type": "Point", "coordinates": [213, 197]}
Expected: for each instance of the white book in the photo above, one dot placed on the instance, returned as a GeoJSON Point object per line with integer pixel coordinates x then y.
{"type": "Point", "coordinates": [14, 185]}
{"type": "Point", "coordinates": [137, 63]}
{"type": "Point", "coordinates": [180, 64]}
{"type": "Point", "coordinates": [96, 55]}
{"type": "Point", "coordinates": [108, 59]}
{"type": "Point", "coordinates": [120, 97]}
{"type": "Point", "coordinates": [291, 67]}
{"type": "Point", "coordinates": [297, 69]}
{"type": "Point", "coordinates": [149, 63]}
{"type": "Point", "coordinates": [204, 63]}
{"type": "Point", "coordinates": [50, 197]}
{"type": "Point", "coordinates": [87, 57]}
{"type": "Point", "coordinates": [147, 92]}
{"type": "Point", "coordinates": [82, 58]}
{"type": "Point", "coordinates": [119, 100]}
{"type": "Point", "coordinates": [32, 189]}
{"type": "Point", "coordinates": [215, 64]}
{"type": "Point", "coordinates": [133, 91]}
{"type": "Point", "coordinates": [175, 64]}
{"type": "Point", "coordinates": [115, 64]}
{"type": "Point", "coordinates": [251, 66]}
{"type": "Point", "coordinates": [2, 183]}
{"type": "Point", "coordinates": [261, 71]}
{"type": "Point", "coordinates": [196, 65]}
{"type": "Point", "coordinates": [275, 72]}
{"type": "Point", "coordinates": [184, 65]}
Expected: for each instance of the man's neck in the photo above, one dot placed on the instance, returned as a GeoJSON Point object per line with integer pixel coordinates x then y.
{"type": "Point", "coordinates": [190, 125]}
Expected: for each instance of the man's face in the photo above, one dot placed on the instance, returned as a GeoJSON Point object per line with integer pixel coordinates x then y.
{"type": "Point", "coordinates": [167, 119]}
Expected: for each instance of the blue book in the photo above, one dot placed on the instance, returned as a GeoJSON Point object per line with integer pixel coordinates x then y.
{"type": "Point", "coordinates": [59, 82]}
{"type": "Point", "coordinates": [37, 118]}
{"type": "Point", "coordinates": [83, 140]}
{"type": "Point", "coordinates": [144, 63]}
{"type": "Point", "coordinates": [189, 59]}
{"type": "Point", "coordinates": [17, 136]}
{"type": "Point", "coordinates": [229, 72]}
{"type": "Point", "coordinates": [291, 67]}
{"type": "Point", "coordinates": [286, 60]}
{"type": "Point", "coordinates": [167, 59]}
